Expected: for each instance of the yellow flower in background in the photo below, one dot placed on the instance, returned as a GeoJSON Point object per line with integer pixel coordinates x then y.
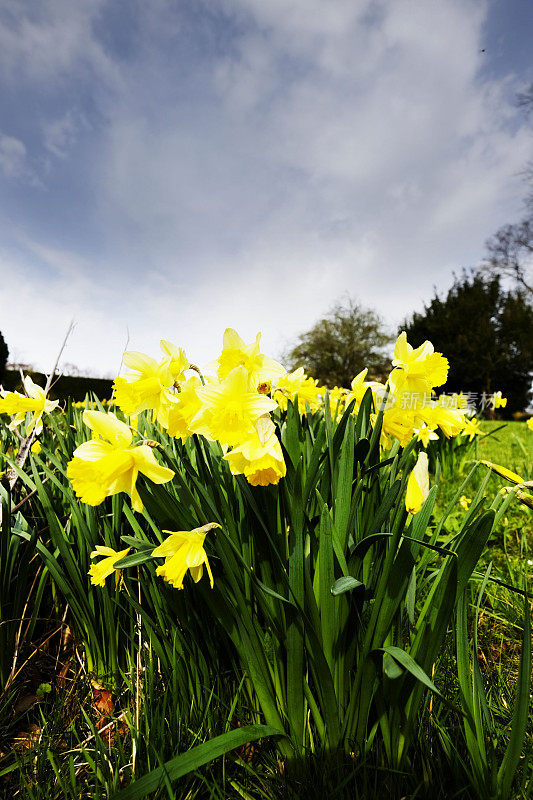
{"type": "Point", "coordinates": [235, 353]}
{"type": "Point", "coordinates": [497, 401]}
{"type": "Point", "coordinates": [229, 410]}
{"type": "Point", "coordinates": [471, 428]}
{"type": "Point", "coordinates": [359, 387]}
{"type": "Point", "coordinates": [182, 551]}
{"type": "Point", "coordinates": [36, 448]}
{"type": "Point", "coordinates": [259, 458]}
{"type": "Point", "coordinates": [175, 361]}
{"type": "Point", "coordinates": [104, 568]}
{"type": "Point", "coordinates": [425, 434]}
{"type": "Point", "coordinates": [187, 404]}
{"type": "Point", "coordinates": [457, 402]}
{"type": "Point", "coordinates": [417, 485]}
{"type": "Point", "coordinates": [298, 383]}
{"type": "Point", "coordinates": [417, 370]}
{"type": "Point", "coordinates": [529, 423]}
{"type": "Point", "coordinates": [108, 465]}
{"type": "Point", "coordinates": [145, 386]}
{"type": "Point", "coordinates": [18, 405]}
{"type": "Point", "coordinates": [337, 401]}
{"type": "Point", "coordinates": [464, 501]}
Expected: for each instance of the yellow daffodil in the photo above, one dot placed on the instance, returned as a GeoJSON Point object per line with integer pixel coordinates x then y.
{"type": "Point", "coordinates": [497, 401]}
{"type": "Point", "coordinates": [464, 501]}
{"type": "Point", "coordinates": [146, 386]}
{"type": "Point", "coordinates": [425, 434]}
{"type": "Point", "coordinates": [235, 353]}
{"type": "Point", "coordinates": [182, 551]}
{"type": "Point", "coordinates": [175, 361]}
{"type": "Point", "coordinates": [36, 448]}
{"type": "Point", "coordinates": [451, 421]}
{"type": "Point", "coordinates": [359, 387]}
{"type": "Point", "coordinates": [186, 407]}
{"type": "Point", "coordinates": [471, 428]}
{"type": "Point", "coordinates": [104, 568]}
{"type": "Point", "coordinates": [229, 410]}
{"type": "Point", "coordinates": [297, 383]}
{"type": "Point", "coordinates": [417, 370]}
{"type": "Point", "coordinates": [259, 458]}
{"type": "Point", "coordinates": [397, 422]}
{"type": "Point", "coordinates": [109, 464]}
{"type": "Point", "coordinates": [18, 404]}
{"type": "Point", "coordinates": [337, 401]}
{"type": "Point", "coordinates": [529, 423]}
{"type": "Point", "coordinates": [417, 485]}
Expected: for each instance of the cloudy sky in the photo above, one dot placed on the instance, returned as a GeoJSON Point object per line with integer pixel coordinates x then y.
{"type": "Point", "coordinates": [173, 167]}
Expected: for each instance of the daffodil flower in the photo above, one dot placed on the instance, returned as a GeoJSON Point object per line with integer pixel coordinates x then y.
{"type": "Point", "coordinates": [182, 412]}
{"type": "Point", "coordinates": [18, 404]}
{"type": "Point", "coordinates": [229, 410]}
{"type": "Point", "coordinates": [471, 428]}
{"type": "Point", "coordinates": [259, 458]}
{"type": "Point", "coordinates": [417, 485]}
{"type": "Point", "coordinates": [298, 383]}
{"type": "Point", "coordinates": [358, 389]}
{"type": "Point", "coordinates": [417, 370]}
{"type": "Point", "coordinates": [235, 353]}
{"type": "Point", "coordinates": [182, 551]}
{"type": "Point", "coordinates": [497, 401]}
{"type": "Point", "coordinates": [147, 385]}
{"type": "Point", "coordinates": [104, 568]}
{"type": "Point", "coordinates": [175, 360]}
{"type": "Point", "coordinates": [109, 464]}
{"type": "Point", "coordinates": [425, 434]}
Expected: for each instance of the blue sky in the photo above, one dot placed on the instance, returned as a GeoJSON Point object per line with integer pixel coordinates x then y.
{"type": "Point", "coordinates": [169, 169]}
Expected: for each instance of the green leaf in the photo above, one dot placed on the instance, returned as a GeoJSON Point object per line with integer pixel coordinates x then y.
{"type": "Point", "coordinates": [134, 560]}
{"type": "Point", "coordinates": [346, 584]}
{"type": "Point", "coordinates": [391, 667]}
{"type": "Point", "coordinates": [408, 663]}
{"type": "Point", "coordinates": [193, 759]}
{"type": "Point", "coordinates": [520, 711]}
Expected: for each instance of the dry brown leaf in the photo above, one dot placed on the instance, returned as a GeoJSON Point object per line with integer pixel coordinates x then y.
{"type": "Point", "coordinates": [24, 704]}
{"type": "Point", "coordinates": [103, 699]}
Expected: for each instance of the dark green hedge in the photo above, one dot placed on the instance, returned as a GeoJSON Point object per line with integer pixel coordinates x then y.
{"type": "Point", "coordinates": [65, 387]}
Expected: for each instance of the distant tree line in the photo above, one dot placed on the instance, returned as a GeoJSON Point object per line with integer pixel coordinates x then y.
{"type": "Point", "coordinates": [65, 387]}
{"type": "Point", "coordinates": [487, 335]}
{"type": "Point", "coordinates": [4, 353]}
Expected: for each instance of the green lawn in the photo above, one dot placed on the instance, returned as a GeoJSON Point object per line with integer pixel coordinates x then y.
{"type": "Point", "coordinates": [511, 446]}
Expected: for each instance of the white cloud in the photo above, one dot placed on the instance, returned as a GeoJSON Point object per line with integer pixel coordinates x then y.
{"type": "Point", "coordinates": [61, 133]}
{"type": "Point", "coordinates": [330, 147]}
{"type": "Point", "coordinates": [12, 156]}
{"type": "Point", "coordinates": [50, 42]}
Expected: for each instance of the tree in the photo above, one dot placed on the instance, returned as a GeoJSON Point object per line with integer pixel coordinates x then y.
{"type": "Point", "coordinates": [4, 352]}
{"type": "Point", "coordinates": [510, 253]}
{"type": "Point", "coordinates": [510, 250]}
{"type": "Point", "coordinates": [341, 344]}
{"type": "Point", "coordinates": [487, 335]}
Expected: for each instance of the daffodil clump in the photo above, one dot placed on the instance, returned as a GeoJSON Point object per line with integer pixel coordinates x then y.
{"type": "Point", "coordinates": [232, 405]}
{"type": "Point", "coordinates": [239, 402]}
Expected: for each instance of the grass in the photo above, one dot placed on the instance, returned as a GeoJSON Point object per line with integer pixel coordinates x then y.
{"type": "Point", "coordinates": [510, 445]}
